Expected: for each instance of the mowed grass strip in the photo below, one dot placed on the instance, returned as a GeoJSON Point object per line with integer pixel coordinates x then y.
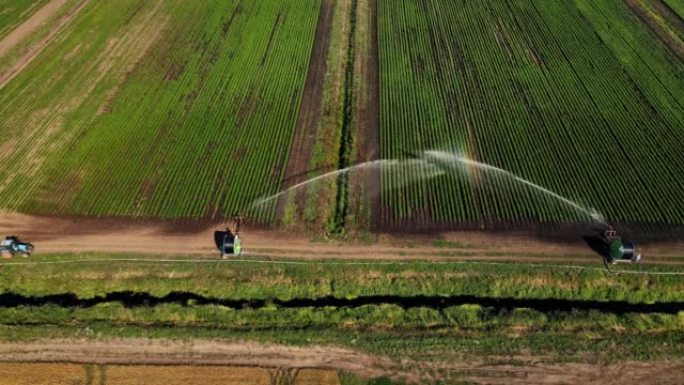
{"type": "Point", "coordinates": [157, 108]}
{"type": "Point", "coordinates": [97, 275]}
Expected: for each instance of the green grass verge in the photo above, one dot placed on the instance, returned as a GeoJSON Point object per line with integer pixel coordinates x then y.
{"type": "Point", "coordinates": [416, 331]}
{"type": "Point", "coordinates": [93, 275]}
{"type": "Point", "coordinates": [430, 344]}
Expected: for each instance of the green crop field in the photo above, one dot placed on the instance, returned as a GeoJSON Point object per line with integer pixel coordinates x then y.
{"type": "Point", "coordinates": [13, 12]}
{"type": "Point", "coordinates": [161, 109]}
{"type": "Point", "coordinates": [375, 149]}
{"type": "Point", "coordinates": [176, 109]}
{"type": "Point", "coordinates": [576, 96]}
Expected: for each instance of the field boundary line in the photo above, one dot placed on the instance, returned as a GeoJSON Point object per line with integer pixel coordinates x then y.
{"type": "Point", "coordinates": [343, 263]}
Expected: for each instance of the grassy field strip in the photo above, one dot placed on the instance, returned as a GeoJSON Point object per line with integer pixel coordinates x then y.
{"type": "Point", "coordinates": [24, 44]}
{"type": "Point", "coordinates": [425, 310]}
{"type": "Point", "coordinates": [347, 263]}
{"type": "Point", "coordinates": [428, 313]}
{"type": "Point", "coordinates": [20, 33]}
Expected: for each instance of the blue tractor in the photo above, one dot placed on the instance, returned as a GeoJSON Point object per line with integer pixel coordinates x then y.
{"type": "Point", "coordinates": [12, 245]}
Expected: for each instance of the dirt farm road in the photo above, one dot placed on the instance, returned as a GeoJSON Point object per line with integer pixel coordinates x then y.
{"type": "Point", "coordinates": [84, 235]}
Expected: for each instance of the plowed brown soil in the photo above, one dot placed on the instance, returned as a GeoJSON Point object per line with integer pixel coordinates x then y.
{"type": "Point", "coordinates": [310, 107]}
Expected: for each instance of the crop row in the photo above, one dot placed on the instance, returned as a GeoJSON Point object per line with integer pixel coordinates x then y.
{"type": "Point", "coordinates": [14, 12]}
{"type": "Point", "coordinates": [577, 97]}
{"type": "Point", "coordinates": [164, 109]}
{"type": "Point", "coordinates": [677, 6]}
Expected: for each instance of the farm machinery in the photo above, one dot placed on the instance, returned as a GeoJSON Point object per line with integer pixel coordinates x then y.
{"type": "Point", "coordinates": [613, 248]}
{"type": "Point", "coordinates": [228, 241]}
{"type": "Point", "coordinates": [12, 245]}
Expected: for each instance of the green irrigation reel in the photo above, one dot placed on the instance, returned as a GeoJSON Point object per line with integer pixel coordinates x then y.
{"type": "Point", "coordinates": [228, 241]}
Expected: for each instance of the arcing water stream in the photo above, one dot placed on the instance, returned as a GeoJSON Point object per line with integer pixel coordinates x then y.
{"type": "Point", "coordinates": [453, 160]}
{"type": "Point", "coordinates": [410, 170]}
{"type": "Point", "coordinates": [428, 165]}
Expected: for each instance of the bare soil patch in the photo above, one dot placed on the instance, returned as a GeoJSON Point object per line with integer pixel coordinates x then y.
{"type": "Point", "coordinates": [50, 373]}
{"type": "Point", "coordinates": [27, 28]}
{"type": "Point", "coordinates": [310, 109]}
{"type": "Point", "coordinates": [30, 25]}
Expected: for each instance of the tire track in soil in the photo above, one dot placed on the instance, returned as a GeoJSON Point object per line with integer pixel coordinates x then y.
{"type": "Point", "coordinates": [33, 51]}
{"type": "Point", "coordinates": [669, 14]}
{"type": "Point", "coordinates": [369, 119]}
{"type": "Point", "coordinates": [642, 13]}
{"type": "Point", "coordinates": [24, 29]}
{"type": "Point", "coordinates": [310, 109]}
{"type": "Point", "coordinates": [64, 234]}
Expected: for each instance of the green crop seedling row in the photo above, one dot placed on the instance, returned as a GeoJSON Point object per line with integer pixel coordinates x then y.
{"type": "Point", "coordinates": [14, 12]}
{"type": "Point", "coordinates": [158, 109]}
{"type": "Point", "coordinates": [590, 107]}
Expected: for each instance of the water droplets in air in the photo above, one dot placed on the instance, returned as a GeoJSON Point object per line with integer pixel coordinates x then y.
{"type": "Point", "coordinates": [430, 164]}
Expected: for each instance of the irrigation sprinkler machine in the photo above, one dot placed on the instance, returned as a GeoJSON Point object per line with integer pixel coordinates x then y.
{"type": "Point", "coordinates": [228, 241]}
{"type": "Point", "coordinates": [614, 249]}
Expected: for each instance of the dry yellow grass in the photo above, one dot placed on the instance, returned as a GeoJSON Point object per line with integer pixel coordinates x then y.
{"type": "Point", "coordinates": [71, 374]}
